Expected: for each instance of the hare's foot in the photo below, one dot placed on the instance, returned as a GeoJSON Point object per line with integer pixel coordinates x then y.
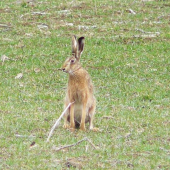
{"type": "Point", "coordinates": [72, 127]}
{"type": "Point", "coordinates": [66, 126]}
{"type": "Point", "coordinates": [95, 129]}
{"type": "Point", "coordinates": [82, 127]}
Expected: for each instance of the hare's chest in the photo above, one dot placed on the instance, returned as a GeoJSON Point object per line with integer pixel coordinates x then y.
{"type": "Point", "coordinates": [76, 94]}
{"type": "Point", "coordinates": [77, 89]}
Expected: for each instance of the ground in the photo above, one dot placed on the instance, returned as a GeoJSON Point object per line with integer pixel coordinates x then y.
{"type": "Point", "coordinates": [126, 53]}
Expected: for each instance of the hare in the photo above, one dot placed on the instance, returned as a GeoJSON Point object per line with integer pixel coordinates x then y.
{"type": "Point", "coordinates": [79, 90]}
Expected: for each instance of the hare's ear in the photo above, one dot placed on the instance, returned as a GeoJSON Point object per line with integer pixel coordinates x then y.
{"type": "Point", "coordinates": [74, 46]}
{"type": "Point", "coordinates": [80, 46]}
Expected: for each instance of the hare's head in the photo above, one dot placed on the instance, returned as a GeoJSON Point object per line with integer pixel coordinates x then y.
{"type": "Point", "coordinates": [73, 63]}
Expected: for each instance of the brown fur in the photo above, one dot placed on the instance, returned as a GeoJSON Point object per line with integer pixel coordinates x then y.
{"type": "Point", "coordinates": [79, 90]}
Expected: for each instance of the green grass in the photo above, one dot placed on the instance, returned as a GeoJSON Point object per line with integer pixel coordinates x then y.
{"type": "Point", "coordinates": [130, 71]}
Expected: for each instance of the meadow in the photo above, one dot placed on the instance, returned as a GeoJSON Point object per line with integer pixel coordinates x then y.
{"type": "Point", "coordinates": [127, 54]}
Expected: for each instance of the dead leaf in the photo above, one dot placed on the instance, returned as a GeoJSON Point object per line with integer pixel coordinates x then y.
{"type": "Point", "coordinates": [146, 36]}
{"type": "Point", "coordinates": [108, 117]}
{"type": "Point", "coordinates": [7, 39]}
{"type": "Point", "coordinates": [69, 24]}
{"type": "Point", "coordinates": [73, 162]}
{"type": "Point", "coordinates": [20, 45]}
{"type": "Point", "coordinates": [131, 11]}
{"type": "Point", "coordinates": [21, 84]}
{"type": "Point", "coordinates": [67, 12]}
{"type": "Point", "coordinates": [42, 26]}
{"type": "Point", "coordinates": [29, 34]}
{"type": "Point", "coordinates": [141, 130]}
{"type": "Point", "coordinates": [4, 57]}
{"type": "Point", "coordinates": [39, 13]}
{"type": "Point", "coordinates": [19, 76]}
{"type": "Point", "coordinates": [127, 135]}
{"type": "Point", "coordinates": [84, 27]}
{"type": "Point", "coordinates": [5, 26]}
{"type": "Point", "coordinates": [37, 70]}
{"type": "Point", "coordinates": [147, 0]}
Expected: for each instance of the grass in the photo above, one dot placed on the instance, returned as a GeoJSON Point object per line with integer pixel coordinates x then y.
{"type": "Point", "coordinates": [127, 57]}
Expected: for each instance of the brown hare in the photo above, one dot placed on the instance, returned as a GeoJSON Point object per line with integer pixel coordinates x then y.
{"type": "Point", "coordinates": [79, 90]}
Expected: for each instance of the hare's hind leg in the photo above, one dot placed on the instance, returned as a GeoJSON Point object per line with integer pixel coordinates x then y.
{"type": "Point", "coordinates": [91, 115]}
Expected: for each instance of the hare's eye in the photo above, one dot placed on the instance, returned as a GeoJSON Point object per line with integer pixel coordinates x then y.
{"type": "Point", "coordinates": [72, 61]}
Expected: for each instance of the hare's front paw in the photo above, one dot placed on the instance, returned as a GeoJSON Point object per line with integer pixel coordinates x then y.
{"type": "Point", "coordinates": [72, 127]}
{"type": "Point", "coordinates": [95, 129]}
{"type": "Point", "coordinates": [66, 126]}
{"type": "Point", "coordinates": [82, 127]}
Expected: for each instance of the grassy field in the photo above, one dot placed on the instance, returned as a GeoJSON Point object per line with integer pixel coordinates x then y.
{"type": "Point", "coordinates": [127, 54]}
